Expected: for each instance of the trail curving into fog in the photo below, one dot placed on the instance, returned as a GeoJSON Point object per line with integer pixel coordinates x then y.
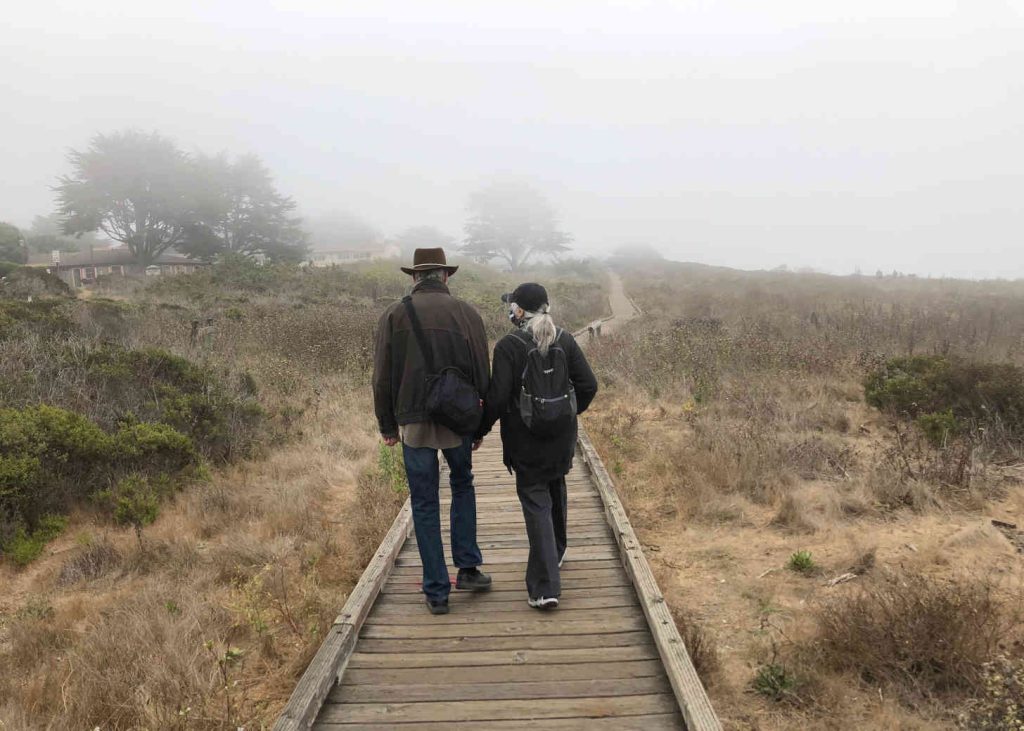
{"type": "Point", "coordinates": [623, 309]}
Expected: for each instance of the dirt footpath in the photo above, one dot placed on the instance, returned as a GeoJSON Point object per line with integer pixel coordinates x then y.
{"type": "Point", "coordinates": [622, 308]}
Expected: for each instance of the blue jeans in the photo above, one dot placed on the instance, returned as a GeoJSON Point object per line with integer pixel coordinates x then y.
{"type": "Point", "coordinates": [423, 471]}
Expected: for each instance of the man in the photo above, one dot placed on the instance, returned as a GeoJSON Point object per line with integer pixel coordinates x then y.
{"type": "Point", "coordinates": [454, 333]}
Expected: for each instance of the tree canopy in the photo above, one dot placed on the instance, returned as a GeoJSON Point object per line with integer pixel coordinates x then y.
{"type": "Point", "coordinates": [141, 190]}
{"type": "Point", "coordinates": [239, 211]}
{"type": "Point", "coordinates": [512, 222]}
{"type": "Point", "coordinates": [136, 188]}
{"type": "Point", "coordinates": [46, 234]}
{"type": "Point", "coordinates": [12, 244]}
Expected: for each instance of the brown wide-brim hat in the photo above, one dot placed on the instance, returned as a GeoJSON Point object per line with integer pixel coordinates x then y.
{"type": "Point", "coordinates": [424, 260]}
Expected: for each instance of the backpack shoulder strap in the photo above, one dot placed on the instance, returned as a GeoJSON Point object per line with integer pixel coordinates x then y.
{"type": "Point", "coordinates": [417, 329]}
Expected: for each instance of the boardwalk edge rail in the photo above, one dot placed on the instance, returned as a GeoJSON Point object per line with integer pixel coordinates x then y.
{"type": "Point", "coordinates": [689, 691]}
{"type": "Point", "coordinates": [328, 665]}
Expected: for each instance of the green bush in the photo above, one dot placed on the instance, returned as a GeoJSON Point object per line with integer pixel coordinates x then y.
{"type": "Point", "coordinates": [48, 318]}
{"type": "Point", "coordinates": [775, 681]}
{"type": "Point", "coordinates": [154, 385]}
{"type": "Point", "coordinates": [24, 547]}
{"type": "Point", "coordinates": [50, 458]}
{"type": "Point", "coordinates": [938, 428]}
{"type": "Point", "coordinates": [908, 385]}
{"type": "Point", "coordinates": [133, 501]}
{"type": "Point", "coordinates": [158, 446]}
{"type": "Point", "coordinates": [946, 397]}
{"type": "Point", "coordinates": [802, 562]}
{"type": "Point", "coordinates": [46, 455]}
{"type": "Point", "coordinates": [24, 282]}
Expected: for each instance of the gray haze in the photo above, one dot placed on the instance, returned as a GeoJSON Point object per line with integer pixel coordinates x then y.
{"type": "Point", "coordinates": [877, 134]}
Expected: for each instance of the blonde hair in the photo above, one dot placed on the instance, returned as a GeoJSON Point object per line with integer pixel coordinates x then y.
{"type": "Point", "coordinates": [540, 325]}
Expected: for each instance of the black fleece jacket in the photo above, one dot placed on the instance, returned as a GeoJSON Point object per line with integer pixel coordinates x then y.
{"type": "Point", "coordinates": [533, 459]}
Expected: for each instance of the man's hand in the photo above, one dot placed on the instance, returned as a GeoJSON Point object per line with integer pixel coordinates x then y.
{"type": "Point", "coordinates": [390, 441]}
{"type": "Point", "coordinates": [477, 443]}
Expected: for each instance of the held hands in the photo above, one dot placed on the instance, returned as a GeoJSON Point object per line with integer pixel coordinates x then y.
{"type": "Point", "coordinates": [477, 443]}
{"type": "Point", "coordinates": [390, 441]}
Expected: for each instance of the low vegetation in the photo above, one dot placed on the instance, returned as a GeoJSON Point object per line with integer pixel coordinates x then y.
{"type": "Point", "coordinates": [817, 461]}
{"type": "Point", "coordinates": [191, 481]}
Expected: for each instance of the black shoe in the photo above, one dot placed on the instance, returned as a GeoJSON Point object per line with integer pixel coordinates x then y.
{"type": "Point", "coordinates": [472, 580]}
{"type": "Point", "coordinates": [438, 607]}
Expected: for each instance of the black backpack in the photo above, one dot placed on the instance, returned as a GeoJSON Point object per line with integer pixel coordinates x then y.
{"type": "Point", "coordinates": [547, 399]}
{"type": "Point", "coordinates": [452, 400]}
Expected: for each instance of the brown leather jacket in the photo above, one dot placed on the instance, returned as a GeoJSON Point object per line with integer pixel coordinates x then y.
{"type": "Point", "coordinates": [455, 332]}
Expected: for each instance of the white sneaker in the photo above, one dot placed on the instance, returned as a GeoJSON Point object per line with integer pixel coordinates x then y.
{"type": "Point", "coordinates": [544, 602]}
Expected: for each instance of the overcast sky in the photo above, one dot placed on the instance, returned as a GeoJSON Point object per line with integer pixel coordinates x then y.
{"type": "Point", "coordinates": [876, 134]}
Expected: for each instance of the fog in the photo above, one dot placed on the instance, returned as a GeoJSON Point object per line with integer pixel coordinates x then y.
{"type": "Point", "coordinates": [873, 135]}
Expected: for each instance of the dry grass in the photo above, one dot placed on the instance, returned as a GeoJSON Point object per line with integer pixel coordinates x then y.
{"type": "Point", "coordinates": [208, 621]}
{"type": "Point", "coordinates": [241, 576]}
{"type": "Point", "coordinates": [734, 423]}
{"type": "Point", "coordinates": [919, 634]}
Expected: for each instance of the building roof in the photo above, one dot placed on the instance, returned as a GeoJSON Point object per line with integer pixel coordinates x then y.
{"type": "Point", "coordinates": [104, 257]}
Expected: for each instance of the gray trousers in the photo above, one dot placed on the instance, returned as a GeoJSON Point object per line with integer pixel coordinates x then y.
{"type": "Point", "coordinates": [544, 509]}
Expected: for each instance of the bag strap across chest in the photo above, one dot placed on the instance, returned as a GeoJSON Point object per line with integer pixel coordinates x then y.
{"type": "Point", "coordinates": [417, 329]}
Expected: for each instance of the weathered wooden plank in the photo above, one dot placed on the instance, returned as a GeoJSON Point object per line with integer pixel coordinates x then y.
{"type": "Point", "coordinates": [445, 674]}
{"type": "Point", "coordinates": [410, 585]}
{"type": "Point", "coordinates": [330, 660]}
{"type": "Point", "coordinates": [414, 692]}
{"type": "Point", "coordinates": [507, 541]}
{"type": "Point", "coordinates": [571, 566]}
{"type": "Point", "coordinates": [510, 657]}
{"type": "Point", "coordinates": [536, 625]}
{"type": "Point", "coordinates": [655, 722]}
{"type": "Point", "coordinates": [395, 713]}
{"type": "Point", "coordinates": [523, 615]}
{"type": "Point", "coordinates": [515, 555]}
{"type": "Point", "coordinates": [575, 531]}
{"type": "Point", "coordinates": [481, 644]}
{"type": "Point", "coordinates": [570, 603]}
{"type": "Point", "coordinates": [592, 518]}
{"type": "Point", "coordinates": [687, 687]}
{"type": "Point", "coordinates": [590, 496]}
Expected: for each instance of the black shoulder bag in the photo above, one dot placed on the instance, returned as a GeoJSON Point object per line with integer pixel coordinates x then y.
{"type": "Point", "coordinates": [452, 400]}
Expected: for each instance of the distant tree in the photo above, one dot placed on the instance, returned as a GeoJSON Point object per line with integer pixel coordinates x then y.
{"type": "Point", "coordinates": [239, 211]}
{"type": "Point", "coordinates": [341, 230]}
{"type": "Point", "coordinates": [12, 244]}
{"type": "Point", "coordinates": [640, 251]}
{"type": "Point", "coordinates": [512, 222]}
{"type": "Point", "coordinates": [46, 234]}
{"type": "Point", "coordinates": [136, 188]}
{"type": "Point", "coordinates": [422, 237]}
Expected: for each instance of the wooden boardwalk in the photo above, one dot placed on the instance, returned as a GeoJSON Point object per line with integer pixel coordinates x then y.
{"type": "Point", "coordinates": [608, 658]}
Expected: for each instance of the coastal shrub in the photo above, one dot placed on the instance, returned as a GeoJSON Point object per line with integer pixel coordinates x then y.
{"type": "Point", "coordinates": [22, 282]}
{"type": "Point", "coordinates": [45, 317]}
{"type": "Point", "coordinates": [152, 384]}
{"type": "Point", "coordinates": [924, 636]}
{"type": "Point", "coordinates": [50, 458]}
{"type": "Point", "coordinates": [948, 397]}
{"type": "Point", "coordinates": [26, 546]}
{"type": "Point", "coordinates": [132, 501]}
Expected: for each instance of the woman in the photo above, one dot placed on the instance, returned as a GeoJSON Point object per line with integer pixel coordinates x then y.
{"type": "Point", "coordinates": [539, 382]}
